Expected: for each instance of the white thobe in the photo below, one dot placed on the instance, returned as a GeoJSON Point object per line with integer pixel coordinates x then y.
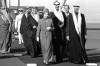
{"type": "Point", "coordinates": [17, 26]}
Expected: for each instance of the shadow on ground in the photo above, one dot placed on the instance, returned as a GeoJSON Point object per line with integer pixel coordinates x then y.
{"type": "Point", "coordinates": [6, 57]}
{"type": "Point", "coordinates": [91, 49]}
{"type": "Point", "coordinates": [94, 57]}
{"type": "Point", "coordinates": [17, 50]}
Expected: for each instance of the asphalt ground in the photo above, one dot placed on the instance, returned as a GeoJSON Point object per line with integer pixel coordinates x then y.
{"type": "Point", "coordinates": [92, 48]}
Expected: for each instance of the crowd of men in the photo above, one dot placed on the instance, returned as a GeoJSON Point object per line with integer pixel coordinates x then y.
{"type": "Point", "coordinates": [61, 33]}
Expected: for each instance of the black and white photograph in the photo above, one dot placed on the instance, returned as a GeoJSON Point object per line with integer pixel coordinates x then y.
{"type": "Point", "coordinates": [49, 32]}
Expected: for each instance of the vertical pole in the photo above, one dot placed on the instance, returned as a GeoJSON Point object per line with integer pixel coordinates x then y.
{"type": "Point", "coordinates": [5, 4]}
{"type": "Point", "coordinates": [57, 0]}
{"type": "Point", "coordinates": [9, 3]}
{"type": "Point", "coordinates": [18, 4]}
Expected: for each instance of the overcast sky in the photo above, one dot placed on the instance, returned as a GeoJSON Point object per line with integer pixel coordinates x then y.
{"type": "Point", "coordinates": [89, 7]}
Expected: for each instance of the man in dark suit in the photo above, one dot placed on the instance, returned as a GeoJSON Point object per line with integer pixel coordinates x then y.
{"type": "Point", "coordinates": [67, 15]}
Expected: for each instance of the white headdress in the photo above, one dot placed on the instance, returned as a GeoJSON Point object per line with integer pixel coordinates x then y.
{"type": "Point", "coordinates": [78, 22]}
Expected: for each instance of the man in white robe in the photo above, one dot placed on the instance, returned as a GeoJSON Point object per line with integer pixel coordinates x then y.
{"type": "Point", "coordinates": [17, 25]}
{"type": "Point", "coordinates": [77, 32]}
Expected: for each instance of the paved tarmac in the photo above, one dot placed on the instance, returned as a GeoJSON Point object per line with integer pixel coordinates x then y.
{"type": "Point", "coordinates": [92, 47]}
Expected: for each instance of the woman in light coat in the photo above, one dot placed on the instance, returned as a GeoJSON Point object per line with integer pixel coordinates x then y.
{"type": "Point", "coordinates": [44, 33]}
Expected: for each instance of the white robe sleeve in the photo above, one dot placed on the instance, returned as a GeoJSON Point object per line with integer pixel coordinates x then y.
{"type": "Point", "coordinates": [16, 22]}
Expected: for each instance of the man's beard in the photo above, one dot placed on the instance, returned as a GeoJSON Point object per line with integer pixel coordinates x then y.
{"type": "Point", "coordinates": [76, 12]}
{"type": "Point", "coordinates": [57, 9]}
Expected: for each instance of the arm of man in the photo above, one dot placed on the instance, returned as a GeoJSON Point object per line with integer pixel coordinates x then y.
{"type": "Point", "coordinates": [67, 30]}
{"type": "Point", "coordinates": [38, 31]}
{"type": "Point", "coordinates": [16, 22]}
{"type": "Point", "coordinates": [84, 29]}
{"type": "Point", "coordinates": [21, 27]}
